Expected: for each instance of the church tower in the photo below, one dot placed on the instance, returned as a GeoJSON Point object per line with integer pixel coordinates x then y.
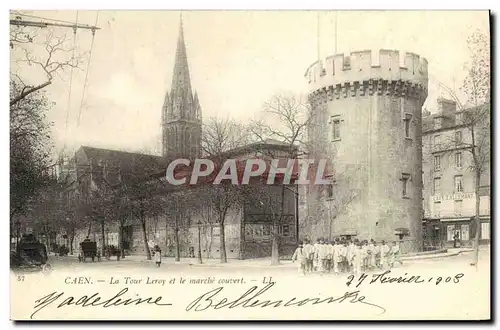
{"type": "Point", "coordinates": [181, 112]}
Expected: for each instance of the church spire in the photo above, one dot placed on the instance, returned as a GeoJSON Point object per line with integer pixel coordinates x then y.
{"type": "Point", "coordinates": [181, 82]}
{"type": "Point", "coordinates": [181, 109]}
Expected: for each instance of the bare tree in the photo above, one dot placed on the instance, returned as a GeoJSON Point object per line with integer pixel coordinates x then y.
{"type": "Point", "coordinates": [143, 189]}
{"type": "Point", "coordinates": [174, 204]}
{"type": "Point", "coordinates": [208, 220]}
{"type": "Point", "coordinates": [285, 119]}
{"type": "Point", "coordinates": [52, 56]}
{"type": "Point", "coordinates": [340, 195]}
{"type": "Point", "coordinates": [473, 101]}
{"type": "Point", "coordinates": [219, 138]}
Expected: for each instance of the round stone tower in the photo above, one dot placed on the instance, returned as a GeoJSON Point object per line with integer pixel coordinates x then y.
{"type": "Point", "coordinates": [366, 120]}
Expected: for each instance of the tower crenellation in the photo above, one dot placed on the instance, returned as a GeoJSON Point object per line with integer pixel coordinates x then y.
{"type": "Point", "coordinates": [362, 73]}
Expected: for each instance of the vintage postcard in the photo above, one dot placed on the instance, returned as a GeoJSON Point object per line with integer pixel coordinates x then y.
{"type": "Point", "coordinates": [250, 165]}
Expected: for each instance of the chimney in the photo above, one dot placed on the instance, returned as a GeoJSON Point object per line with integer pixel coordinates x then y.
{"type": "Point", "coordinates": [447, 107]}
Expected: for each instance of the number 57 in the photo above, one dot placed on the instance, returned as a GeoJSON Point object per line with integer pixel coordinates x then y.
{"type": "Point", "coordinates": [20, 278]}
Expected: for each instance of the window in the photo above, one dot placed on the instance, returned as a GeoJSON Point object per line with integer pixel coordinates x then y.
{"type": "Point", "coordinates": [438, 121]}
{"type": "Point", "coordinates": [464, 232]}
{"type": "Point", "coordinates": [485, 230]}
{"type": "Point", "coordinates": [404, 179]}
{"type": "Point", "coordinates": [459, 184]}
{"type": "Point", "coordinates": [285, 230]}
{"type": "Point", "coordinates": [437, 185]}
{"type": "Point", "coordinates": [437, 163]}
{"type": "Point", "coordinates": [437, 209]}
{"type": "Point", "coordinates": [458, 207]}
{"type": "Point", "coordinates": [267, 230]}
{"type": "Point", "coordinates": [458, 137]}
{"type": "Point", "coordinates": [329, 191]}
{"type": "Point", "coordinates": [450, 232]}
{"type": "Point", "coordinates": [458, 159]}
{"type": "Point", "coordinates": [347, 63]}
{"type": "Point", "coordinates": [437, 140]}
{"type": "Point", "coordinates": [407, 121]}
{"type": "Point", "coordinates": [336, 129]}
{"type": "Point", "coordinates": [459, 118]}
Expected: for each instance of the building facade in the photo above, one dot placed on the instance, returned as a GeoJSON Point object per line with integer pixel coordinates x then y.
{"type": "Point", "coordinates": [449, 196]}
{"type": "Point", "coordinates": [247, 226]}
{"type": "Point", "coordinates": [366, 121]}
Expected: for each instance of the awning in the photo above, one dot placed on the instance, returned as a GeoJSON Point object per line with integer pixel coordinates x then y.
{"type": "Point", "coordinates": [402, 231]}
{"type": "Point", "coordinates": [349, 232]}
{"type": "Point", "coordinates": [454, 219]}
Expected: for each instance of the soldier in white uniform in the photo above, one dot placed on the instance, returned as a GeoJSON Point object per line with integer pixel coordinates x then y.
{"type": "Point", "coordinates": [395, 254]}
{"type": "Point", "coordinates": [321, 254]}
{"type": "Point", "coordinates": [384, 254]}
{"type": "Point", "coordinates": [350, 256]}
{"type": "Point", "coordinates": [357, 259]}
{"type": "Point", "coordinates": [316, 261]}
{"type": "Point", "coordinates": [309, 252]}
{"type": "Point", "coordinates": [300, 256]}
{"type": "Point", "coordinates": [371, 255]}
{"type": "Point", "coordinates": [338, 256]}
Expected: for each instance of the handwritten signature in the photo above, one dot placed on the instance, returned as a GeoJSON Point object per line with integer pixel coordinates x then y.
{"type": "Point", "coordinates": [211, 299]}
{"type": "Point", "coordinates": [95, 300]}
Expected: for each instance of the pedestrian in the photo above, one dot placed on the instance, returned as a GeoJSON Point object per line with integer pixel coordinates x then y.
{"type": "Point", "coordinates": [395, 254]}
{"type": "Point", "coordinates": [456, 239]}
{"type": "Point", "coordinates": [351, 248]}
{"type": "Point", "coordinates": [300, 256]}
{"type": "Point", "coordinates": [345, 262]}
{"type": "Point", "coordinates": [338, 256]}
{"type": "Point", "coordinates": [316, 261]}
{"type": "Point", "coordinates": [321, 255]}
{"type": "Point", "coordinates": [364, 246]}
{"type": "Point", "coordinates": [357, 258]}
{"type": "Point", "coordinates": [329, 255]}
{"type": "Point", "coordinates": [309, 251]}
{"type": "Point", "coordinates": [384, 254]}
{"type": "Point", "coordinates": [157, 256]}
{"type": "Point", "coordinates": [371, 255]}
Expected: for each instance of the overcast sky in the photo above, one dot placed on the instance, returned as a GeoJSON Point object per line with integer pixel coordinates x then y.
{"type": "Point", "coordinates": [237, 61]}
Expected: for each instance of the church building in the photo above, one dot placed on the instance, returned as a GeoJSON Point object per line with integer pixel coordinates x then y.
{"type": "Point", "coordinates": [248, 225]}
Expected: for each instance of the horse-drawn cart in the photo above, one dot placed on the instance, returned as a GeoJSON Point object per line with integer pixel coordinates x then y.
{"type": "Point", "coordinates": [88, 249]}
{"type": "Point", "coordinates": [30, 255]}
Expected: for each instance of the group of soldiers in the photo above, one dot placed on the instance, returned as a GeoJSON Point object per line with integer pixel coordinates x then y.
{"type": "Point", "coordinates": [345, 256]}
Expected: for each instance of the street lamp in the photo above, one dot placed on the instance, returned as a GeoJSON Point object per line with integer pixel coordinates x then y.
{"type": "Point", "coordinates": [199, 242]}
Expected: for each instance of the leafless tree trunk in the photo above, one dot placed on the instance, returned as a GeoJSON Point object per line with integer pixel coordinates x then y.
{"type": "Point", "coordinates": [144, 232]}
{"type": "Point", "coordinates": [209, 241]}
{"type": "Point", "coordinates": [89, 230]}
{"type": "Point", "coordinates": [222, 236]}
{"type": "Point", "coordinates": [71, 240]}
{"type": "Point", "coordinates": [176, 238]}
{"type": "Point", "coordinates": [103, 234]}
{"type": "Point", "coordinates": [477, 219]}
{"type": "Point", "coordinates": [120, 237]}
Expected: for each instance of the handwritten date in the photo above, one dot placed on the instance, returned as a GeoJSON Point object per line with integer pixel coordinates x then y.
{"type": "Point", "coordinates": [386, 278]}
